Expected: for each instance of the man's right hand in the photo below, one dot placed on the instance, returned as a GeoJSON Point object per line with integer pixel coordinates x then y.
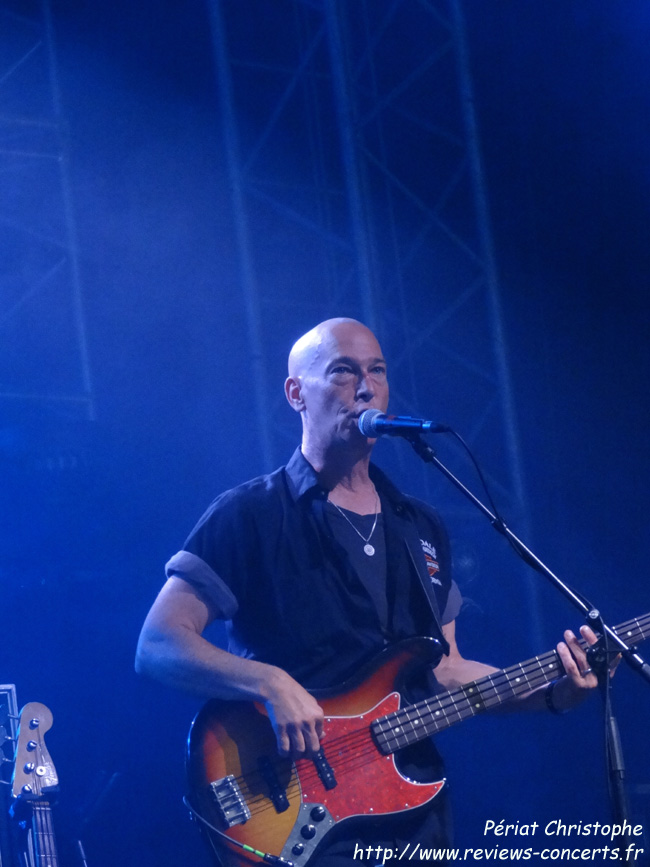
{"type": "Point", "coordinates": [296, 716]}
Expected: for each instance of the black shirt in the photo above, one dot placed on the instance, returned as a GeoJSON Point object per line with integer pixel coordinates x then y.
{"type": "Point", "coordinates": [265, 556]}
{"type": "Point", "coordinates": [353, 532]}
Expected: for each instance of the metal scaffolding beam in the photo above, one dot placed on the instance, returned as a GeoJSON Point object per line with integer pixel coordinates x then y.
{"type": "Point", "coordinates": [357, 141]}
{"type": "Point", "coordinates": [44, 360]}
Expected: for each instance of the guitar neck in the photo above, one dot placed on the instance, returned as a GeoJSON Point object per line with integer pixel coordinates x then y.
{"type": "Point", "coordinates": [45, 854]}
{"type": "Point", "coordinates": [415, 722]}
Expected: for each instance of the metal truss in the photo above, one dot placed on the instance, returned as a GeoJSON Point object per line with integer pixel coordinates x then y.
{"type": "Point", "coordinates": [351, 139]}
{"type": "Point", "coordinates": [357, 187]}
{"type": "Point", "coordinates": [44, 366]}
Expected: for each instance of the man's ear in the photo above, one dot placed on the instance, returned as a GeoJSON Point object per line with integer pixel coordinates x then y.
{"type": "Point", "coordinates": [293, 391]}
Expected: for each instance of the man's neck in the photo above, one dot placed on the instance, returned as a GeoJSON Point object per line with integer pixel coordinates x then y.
{"type": "Point", "coordinates": [346, 476]}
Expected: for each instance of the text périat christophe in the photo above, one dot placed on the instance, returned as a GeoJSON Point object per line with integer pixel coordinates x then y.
{"type": "Point", "coordinates": [557, 828]}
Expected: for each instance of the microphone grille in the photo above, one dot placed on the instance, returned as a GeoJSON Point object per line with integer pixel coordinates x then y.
{"type": "Point", "coordinates": [367, 422]}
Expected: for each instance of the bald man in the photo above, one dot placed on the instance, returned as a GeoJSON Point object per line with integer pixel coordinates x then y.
{"type": "Point", "coordinates": [316, 568]}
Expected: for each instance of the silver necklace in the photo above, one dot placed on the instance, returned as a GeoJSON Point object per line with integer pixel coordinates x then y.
{"type": "Point", "coordinates": [367, 548]}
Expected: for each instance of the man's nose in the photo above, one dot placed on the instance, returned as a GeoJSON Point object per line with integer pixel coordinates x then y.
{"type": "Point", "coordinates": [365, 390]}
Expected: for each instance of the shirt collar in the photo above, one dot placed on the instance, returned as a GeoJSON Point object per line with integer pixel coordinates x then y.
{"type": "Point", "coordinates": [303, 479]}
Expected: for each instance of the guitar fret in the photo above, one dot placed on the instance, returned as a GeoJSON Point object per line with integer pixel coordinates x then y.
{"type": "Point", "coordinates": [491, 692]}
{"type": "Point", "coordinates": [410, 719]}
{"type": "Point", "coordinates": [517, 679]}
{"type": "Point", "coordinates": [474, 696]}
{"type": "Point", "coordinates": [451, 713]}
{"type": "Point", "coordinates": [437, 717]}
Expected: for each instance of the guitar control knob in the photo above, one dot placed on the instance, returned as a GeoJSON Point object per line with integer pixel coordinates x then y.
{"type": "Point", "coordinates": [308, 831]}
{"type": "Point", "coordinates": [31, 746]}
{"type": "Point", "coordinates": [29, 767]}
{"type": "Point", "coordinates": [27, 790]}
{"type": "Point", "coordinates": [298, 849]}
{"type": "Point", "coordinates": [34, 723]}
{"type": "Point", "coordinates": [318, 813]}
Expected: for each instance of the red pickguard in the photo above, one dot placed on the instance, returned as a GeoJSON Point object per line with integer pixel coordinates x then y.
{"type": "Point", "coordinates": [368, 782]}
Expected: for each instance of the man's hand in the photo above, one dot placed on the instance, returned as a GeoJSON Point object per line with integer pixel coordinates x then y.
{"type": "Point", "coordinates": [579, 678]}
{"type": "Point", "coordinates": [295, 715]}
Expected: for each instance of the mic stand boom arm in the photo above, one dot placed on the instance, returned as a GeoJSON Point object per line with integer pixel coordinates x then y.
{"type": "Point", "coordinates": [598, 655]}
{"type": "Point", "coordinates": [612, 642]}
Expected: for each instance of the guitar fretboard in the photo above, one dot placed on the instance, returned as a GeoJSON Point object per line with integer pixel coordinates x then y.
{"type": "Point", "coordinates": [417, 721]}
{"type": "Point", "coordinates": [43, 834]}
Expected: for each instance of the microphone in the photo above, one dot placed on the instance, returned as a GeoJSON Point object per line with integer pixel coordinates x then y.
{"type": "Point", "coordinates": [373, 423]}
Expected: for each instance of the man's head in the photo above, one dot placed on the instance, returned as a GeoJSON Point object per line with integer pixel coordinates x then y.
{"type": "Point", "coordinates": [336, 371]}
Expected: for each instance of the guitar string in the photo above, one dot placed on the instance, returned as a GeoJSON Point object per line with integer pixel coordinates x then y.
{"type": "Point", "coordinates": [359, 760]}
{"type": "Point", "coordinates": [259, 803]}
{"type": "Point", "coordinates": [343, 766]}
{"type": "Point", "coordinates": [404, 716]}
{"type": "Point", "coordinates": [43, 829]}
{"type": "Point", "coordinates": [494, 688]}
{"type": "Point", "coordinates": [351, 742]}
{"type": "Point", "coordinates": [491, 690]}
{"type": "Point", "coordinates": [44, 832]}
{"type": "Point", "coordinates": [496, 680]}
{"type": "Point", "coordinates": [456, 698]}
{"type": "Point", "coordinates": [347, 743]}
{"type": "Point", "coordinates": [500, 684]}
{"type": "Point", "coordinates": [532, 674]}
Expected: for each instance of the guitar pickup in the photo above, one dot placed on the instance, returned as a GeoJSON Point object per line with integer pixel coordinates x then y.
{"type": "Point", "coordinates": [230, 801]}
{"type": "Point", "coordinates": [277, 793]}
{"type": "Point", "coordinates": [325, 771]}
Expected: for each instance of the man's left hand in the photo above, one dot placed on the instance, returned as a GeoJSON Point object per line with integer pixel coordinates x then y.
{"type": "Point", "coordinates": [579, 677]}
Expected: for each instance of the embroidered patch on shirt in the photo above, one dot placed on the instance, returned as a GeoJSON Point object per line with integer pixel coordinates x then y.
{"type": "Point", "coordinates": [431, 560]}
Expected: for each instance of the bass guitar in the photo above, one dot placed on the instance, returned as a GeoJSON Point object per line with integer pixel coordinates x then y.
{"type": "Point", "coordinates": [253, 805]}
{"type": "Point", "coordinates": [34, 780]}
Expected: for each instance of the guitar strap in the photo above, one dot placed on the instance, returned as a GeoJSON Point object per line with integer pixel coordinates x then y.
{"type": "Point", "coordinates": [400, 523]}
{"type": "Point", "coordinates": [421, 571]}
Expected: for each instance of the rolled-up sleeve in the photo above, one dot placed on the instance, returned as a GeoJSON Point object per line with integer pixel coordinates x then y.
{"type": "Point", "coordinates": [453, 604]}
{"type": "Point", "coordinates": [200, 575]}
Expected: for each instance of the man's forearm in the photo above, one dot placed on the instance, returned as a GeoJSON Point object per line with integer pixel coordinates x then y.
{"type": "Point", "coordinates": [180, 658]}
{"type": "Point", "coordinates": [184, 660]}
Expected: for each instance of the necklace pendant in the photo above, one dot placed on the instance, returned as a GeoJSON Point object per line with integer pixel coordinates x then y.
{"type": "Point", "coordinates": [368, 549]}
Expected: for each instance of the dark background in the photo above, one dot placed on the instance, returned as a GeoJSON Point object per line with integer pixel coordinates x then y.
{"type": "Point", "coordinates": [92, 511]}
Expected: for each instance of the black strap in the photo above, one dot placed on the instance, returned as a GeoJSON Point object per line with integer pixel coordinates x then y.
{"type": "Point", "coordinates": [420, 567]}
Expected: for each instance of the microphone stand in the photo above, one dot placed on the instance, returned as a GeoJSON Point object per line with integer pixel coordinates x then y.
{"type": "Point", "coordinates": [598, 655]}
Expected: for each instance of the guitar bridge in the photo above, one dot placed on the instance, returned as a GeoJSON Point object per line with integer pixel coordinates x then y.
{"type": "Point", "coordinates": [230, 801]}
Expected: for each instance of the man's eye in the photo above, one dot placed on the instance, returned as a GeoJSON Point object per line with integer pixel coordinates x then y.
{"type": "Point", "coordinates": [341, 369]}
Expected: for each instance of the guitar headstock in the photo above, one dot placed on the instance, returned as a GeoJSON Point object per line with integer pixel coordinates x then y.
{"type": "Point", "coordinates": [34, 773]}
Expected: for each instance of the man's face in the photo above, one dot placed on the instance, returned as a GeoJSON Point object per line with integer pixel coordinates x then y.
{"type": "Point", "coordinates": [344, 375]}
